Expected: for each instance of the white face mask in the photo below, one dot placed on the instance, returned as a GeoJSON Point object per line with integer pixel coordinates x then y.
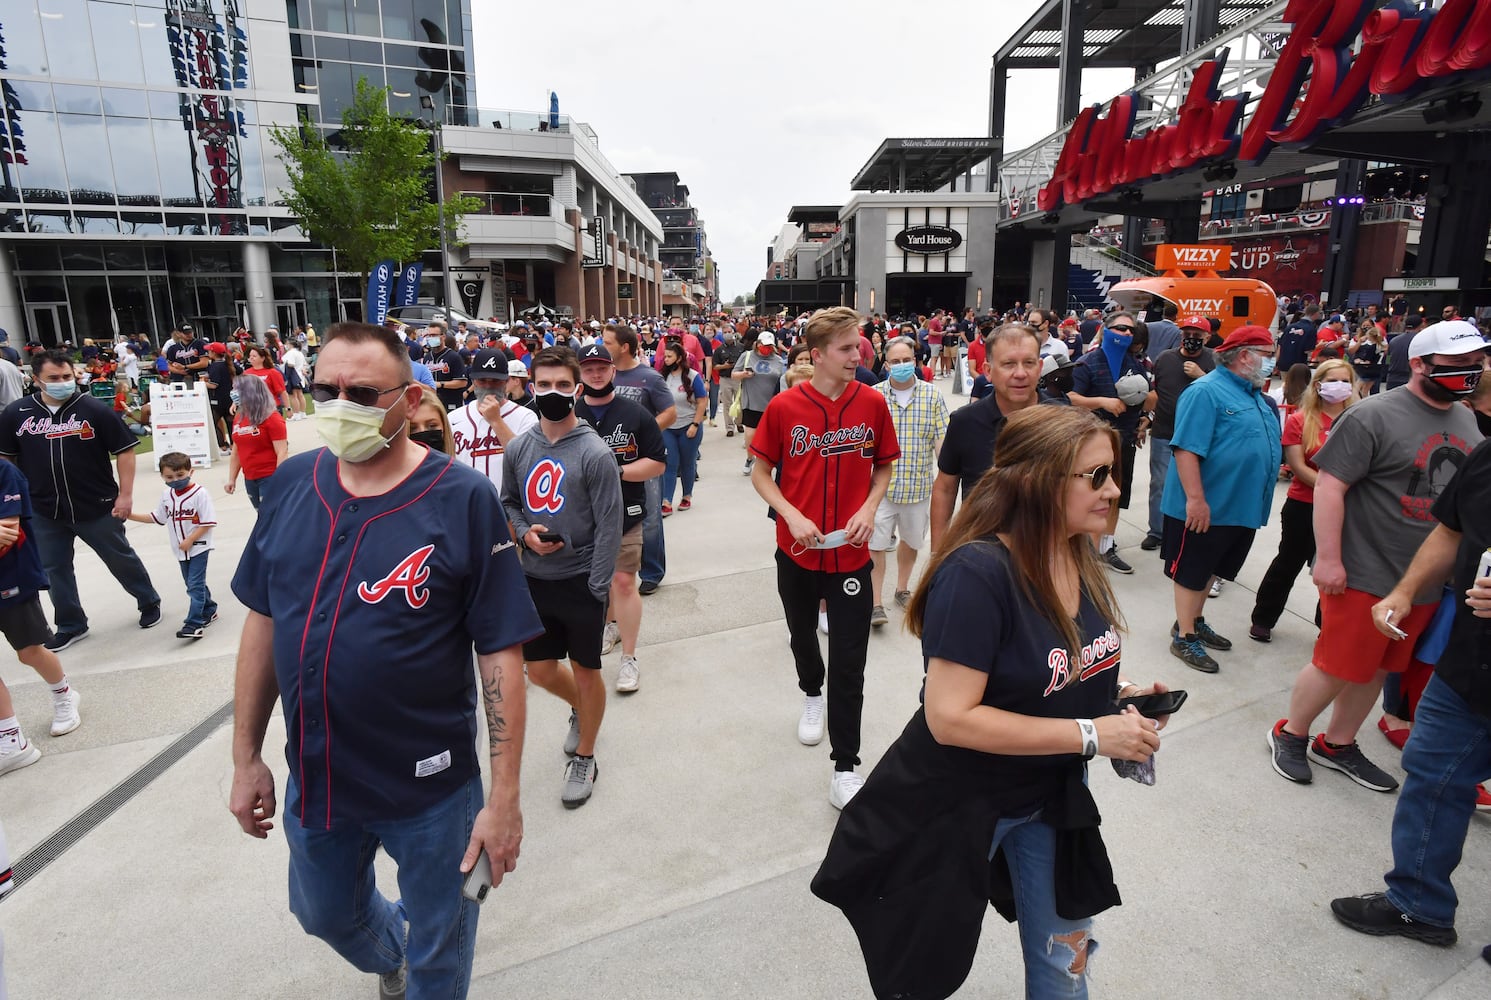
{"type": "Point", "coordinates": [1334, 392]}
{"type": "Point", "coordinates": [832, 540]}
{"type": "Point", "coordinates": [352, 431]}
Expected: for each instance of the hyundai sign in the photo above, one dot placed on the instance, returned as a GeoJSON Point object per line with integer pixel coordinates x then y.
{"type": "Point", "coordinates": [929, 239]}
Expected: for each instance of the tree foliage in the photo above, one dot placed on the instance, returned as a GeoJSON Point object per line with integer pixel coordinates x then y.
{"type": "Point", "coordinates": [739, 301]}
{"type": "Point", "coordinates": [370, 197]}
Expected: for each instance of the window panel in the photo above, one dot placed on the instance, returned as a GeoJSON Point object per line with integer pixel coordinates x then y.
{"type": "Point", "coordinates": [32, 96]}
{"type": "Point", "coordinates": [174, 163]}
{"type": "Point", "coordinates": [85, 145]}
{"type": "Point", "coordinates": [37, 257]}
{"type": "Point", "coordinates": [43, 177]}
{"type": "Point", "coordinates": [25, 51]}
{"type": "Point", "coordinates": [156, 53]}
{"type": "Point", "coordinates": [64, 27]}
{"type": "Point", "coordinates": [362, 17]}
{"type": "Point", "coordinates": [77, 100]}
{"type": "Point", "coordinates": [49, 220]}
{"type": "Point", "coordinates": [116, 42]}
{"type": "Point", "coordinates": [429, 20]}
{"type": "Point", "coordinates": [134, 161]}
{"type": "Point", "coordinates": [121, 103]}
{"type": "Point", "coordinates": [329, 15]}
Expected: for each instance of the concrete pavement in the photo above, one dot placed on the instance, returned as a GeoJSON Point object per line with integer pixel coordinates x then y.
{"type": "Point", "coordinates": [686, 875]}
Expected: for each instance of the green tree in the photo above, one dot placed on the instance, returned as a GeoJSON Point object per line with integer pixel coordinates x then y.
{"type": "Point", "coordinates": [739, 301]}
{"type": "Point", "coordinates": [369, 197]}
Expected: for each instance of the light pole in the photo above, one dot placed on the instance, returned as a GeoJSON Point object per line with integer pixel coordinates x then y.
{"type": "Point", "coordinates": [427, 103]}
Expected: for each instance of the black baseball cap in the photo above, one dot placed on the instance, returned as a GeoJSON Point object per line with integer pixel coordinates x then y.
{"type": "Point", "coordinates": [488, 363]}
{"type": "Point", "coordinates": [595, 352]}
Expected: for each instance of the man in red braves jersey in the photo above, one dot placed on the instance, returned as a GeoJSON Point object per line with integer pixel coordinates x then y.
{"type": "Point", "coordinates": [482, 428]}
{"type": "Point", "coordinates": [834, 442]}
{"type": "Point", "coordinates": [369, 650]}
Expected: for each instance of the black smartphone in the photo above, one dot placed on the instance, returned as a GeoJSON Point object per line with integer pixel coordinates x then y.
{"type": "Point", "coordinates": [1152, 706]}
{"type": "Point", "coordinates": [550, 536]}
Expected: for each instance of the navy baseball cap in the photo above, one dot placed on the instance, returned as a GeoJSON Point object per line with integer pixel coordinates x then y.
{"type": "Point", "coordinates": [488, 363]}
{"type": "Point", "coordinates": [4, 337]}
{"type": "Point", "coordinates": [595, 352]}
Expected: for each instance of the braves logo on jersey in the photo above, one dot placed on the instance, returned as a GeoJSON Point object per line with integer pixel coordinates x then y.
{"type": "Point", "coordinates": [843, 441]}
{"type": "Point", "coordinates": [543, 490]}
{"type": "Point", "coordinates": [50, 428]}
{"type": "Point", "coordinates": [408, 577]}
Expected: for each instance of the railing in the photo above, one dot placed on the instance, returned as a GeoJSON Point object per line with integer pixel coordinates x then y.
{"type": "Point", "coordinates": [1105, 246]}
{"type": "Point", "coordinates": [661, 201]}
{"type": "Point", "coordinates": [517, 121]}
{"type": "Point", "coordinates": [500, 203]}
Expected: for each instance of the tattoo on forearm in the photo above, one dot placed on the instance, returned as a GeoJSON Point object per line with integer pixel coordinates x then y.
{"type": "Point", "coordinates": [496, 725]}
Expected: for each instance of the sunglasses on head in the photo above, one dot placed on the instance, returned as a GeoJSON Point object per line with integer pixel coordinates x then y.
{"type": "Point", "coordinates": [1098, 476]}
{"type": "Point", "coordinates": [1121, 328]}
{"type": "Point", "coordinates": [362, 395]}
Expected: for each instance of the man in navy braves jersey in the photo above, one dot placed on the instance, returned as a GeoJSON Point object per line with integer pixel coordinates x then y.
{"type": "Point", "coordinates": [483, 427]}
{"type": "Point", "coordinates": [186, 356]}
{"type": "Point", "coordinates": [834, 441]}
{"type": "Point", "coordinates": [562, 494]}
{"type": "Point", "coordinates": [369, 651]}
{"type": "Point", "coordinates": [62, 441]}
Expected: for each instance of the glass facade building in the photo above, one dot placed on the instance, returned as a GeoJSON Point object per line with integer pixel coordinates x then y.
{"type": "Point", "coordinates": [138, 181]}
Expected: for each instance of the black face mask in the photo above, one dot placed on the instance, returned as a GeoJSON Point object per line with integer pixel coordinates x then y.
{"type": "Point", "coordinates": [1451, 382]}
{"type": "Point", "coordinates": [434, 439]}
{"type": "Point", "coordinates": [1192, 345]}
{"type": "Point", "coordinates": [593, 393]}
{"type": "Point", "coordinates": [554, 406]}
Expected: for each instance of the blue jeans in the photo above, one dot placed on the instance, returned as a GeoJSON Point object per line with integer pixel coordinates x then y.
{"type": "Point", "coordinates": [255, 490]}
{"type": "Point", "coordinates": [105, 536]}
{"type": "Point", "coordinates": [1049, 942]}
{"type": "Point", "coordinates": [1159, 467]}
{"type": "Point", "coordinates": [1447, 755]}
{"type": "Point", "coordinates": [683, 459]}
{"type": "Point", "coordinates": [654, 554]}
{"type": "Point", "coordinates": [203, 607]}
{"type": "Point", "coordinates": [333, 895]}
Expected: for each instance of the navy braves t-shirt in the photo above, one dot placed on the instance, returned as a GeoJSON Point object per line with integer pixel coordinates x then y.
{"type": "Point", "coordinates": [21, 575]}
{"type": "Point", "coordinates": [978, 616]}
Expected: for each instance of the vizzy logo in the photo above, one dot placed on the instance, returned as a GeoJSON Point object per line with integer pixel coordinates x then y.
{"type": "Point", "coordinates": [1206, 307]}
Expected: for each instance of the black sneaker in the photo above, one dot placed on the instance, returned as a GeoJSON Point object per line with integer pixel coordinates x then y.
{"type": "Point", "coordinates": [61, 640]}
{"type": "Point", "coordinates": [211, 618]}
{"type": "Point", "coordinates": [190, 632]}
{"type": "Point", "coordinates": [1188, 650]}
{"type": "Point", "coordinates": [150, 617]}
{"type": "Point", "coordinates": [1350, 761]}
{"type": "Point", "coordinates": [1289, 754]}
{"type": "Point", "coordinates": [1205, 633]}
{"type": "Point", "coordinates": [1150, 543]}
{"type": "Point", "coordinates": [1116, 563]}
{"type": "Point", "coordinates": [1373, 914]}
{"type": "Point", "coordinates": [647, 587]}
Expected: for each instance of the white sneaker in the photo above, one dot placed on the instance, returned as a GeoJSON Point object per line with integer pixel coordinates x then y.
{"type": "Point", "coordinates": [610, 637]}
{"type": "Point", "coordinates": [629, 678]}
{"type": "Point", "coordinates": [1216, 588]}
{"type": "Point", "coordinates": [745, 470]}
{"type": "Point", "coordinates": [65, 716]}
{"type": "Point", "coordinates": [16, 754]}
{"type": "Point", "coordinates": [810, 725]}
{"type": "Point", "coordinates": [844, 786]}
{"type": "Point", "coordinates": [823, 622]}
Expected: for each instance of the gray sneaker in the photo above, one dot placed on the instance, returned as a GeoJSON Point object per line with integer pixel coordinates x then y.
{"type": "Point", "coordinates": [1189, 650]}
{"type": "Point", "coordinates": [1350, 761]}
{"type": "Point", "coordinates": [579, 781]}
{"type": "Point", "coordinates": [903, 598]}
{"type": "Point", "coordinates": [572, 739]}
{"type": "Point", "coordinates": [878, 617]}
{"type": "Point", "coordinates": [1289, 754]}
{"type": "Point", "coordinates": [393, 985]}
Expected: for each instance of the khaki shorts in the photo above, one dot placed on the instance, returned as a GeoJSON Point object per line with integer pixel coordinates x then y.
{"type": "Point", "coordinates": [629, 559]}
{"type": "Point", "coordinates": [906, 521]}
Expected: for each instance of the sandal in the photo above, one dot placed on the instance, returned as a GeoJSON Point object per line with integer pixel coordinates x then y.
{"type": "Point", "coordinates": [685, 503]}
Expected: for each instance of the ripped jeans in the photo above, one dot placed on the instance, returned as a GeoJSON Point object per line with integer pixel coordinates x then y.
{"type": "Point", "coordinates": [1057, 951]}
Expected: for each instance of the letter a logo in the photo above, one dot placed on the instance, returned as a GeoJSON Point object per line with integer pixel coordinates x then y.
{"type": "Point", "coordinates": [543, 487]}
{"type": "Point", "coordinates": [409, 576]}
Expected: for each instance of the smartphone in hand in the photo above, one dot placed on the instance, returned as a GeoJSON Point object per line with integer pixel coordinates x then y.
{"type": "Point", "coordinates": [479, 879]}
{"type": "Point", "coordinates": [1152, 706]}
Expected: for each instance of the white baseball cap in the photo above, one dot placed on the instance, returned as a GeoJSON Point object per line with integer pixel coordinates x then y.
{"type": "Point", "coordinates": [766, 337]}
{"type": "Point", "coordinates": [1451, 336]}
{"type": "Point", "coordinates": [516, 369]}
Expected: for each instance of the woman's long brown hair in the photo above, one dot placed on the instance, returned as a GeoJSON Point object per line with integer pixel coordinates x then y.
{"type": "Point", "coordinates": [1023, 496]}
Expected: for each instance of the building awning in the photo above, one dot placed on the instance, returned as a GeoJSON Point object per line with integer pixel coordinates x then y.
{"type": "Point", "coordinates": [1116, 34]}
{"type": "Point", "coordinates": [922, 164]}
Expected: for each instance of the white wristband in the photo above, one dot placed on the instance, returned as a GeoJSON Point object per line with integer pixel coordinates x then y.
{"type": "Point", "coordinates": [1089, 738]}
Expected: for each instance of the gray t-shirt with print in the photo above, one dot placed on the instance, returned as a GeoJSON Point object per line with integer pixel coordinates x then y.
{"type": "Point", "coordinates": [1397, 453]}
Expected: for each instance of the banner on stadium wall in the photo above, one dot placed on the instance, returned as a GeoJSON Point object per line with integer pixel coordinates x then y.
{"type": "Point", "coordinates": [407, 292]}
{"type": "Point", "coordinates": [1290, 263]}
{"type": "Point", "coordinates": [380, 291]}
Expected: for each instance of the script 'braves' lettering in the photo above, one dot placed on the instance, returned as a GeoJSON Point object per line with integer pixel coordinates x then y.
{"type": "Point", "coordinates": [860, 437]}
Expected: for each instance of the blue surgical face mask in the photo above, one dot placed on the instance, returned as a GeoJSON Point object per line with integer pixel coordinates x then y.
{"type": "Point", "coordinates": [59, 391]}
{"type": "Point", "coordinates": [1266, 367]}
{"type": "Point", "coordinates": [233, 395]}
{"type": "Point", "coordinates": [180, 485]}
{"type": "Point", "coordinates": [832, 540]}
{"type": "Point", "coordinates": [903, 371]}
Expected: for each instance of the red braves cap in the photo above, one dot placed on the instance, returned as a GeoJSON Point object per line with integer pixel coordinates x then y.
{"type": "Point", "coordinates": [1248, 336]}
{"type": "Point", "coordinates": [217, 348]}
{"type": "Point", "coordinates": [1195, 323]}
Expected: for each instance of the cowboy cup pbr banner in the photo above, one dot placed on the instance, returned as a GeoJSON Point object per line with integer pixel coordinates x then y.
{"type": "Point", "coordinates": [380, 291]}
{"type": "Point", "coordinates": [470, 284]}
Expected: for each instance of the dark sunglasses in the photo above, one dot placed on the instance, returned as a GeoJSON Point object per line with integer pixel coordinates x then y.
{"type": "Point", "coordinates": [362, 395]}
{"type": "Point", "coordinates": [1099, 476]}
{"type": "Point", "coordinates": [1122, 328]}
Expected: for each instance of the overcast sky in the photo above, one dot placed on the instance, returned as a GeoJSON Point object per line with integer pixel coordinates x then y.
{"type": "Point", "coordinates": [765, 105]}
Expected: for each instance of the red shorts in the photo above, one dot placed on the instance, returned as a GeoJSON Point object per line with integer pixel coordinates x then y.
{"type": "Point", "coordinates": [1351, 648]}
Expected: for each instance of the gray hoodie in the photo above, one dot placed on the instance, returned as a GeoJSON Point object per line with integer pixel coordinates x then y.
{"type": "Point", "coordinates": [572, 487]}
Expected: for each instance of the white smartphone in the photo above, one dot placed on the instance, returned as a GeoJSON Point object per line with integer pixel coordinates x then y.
{"type": "Point", "coordinates": [478, 879]}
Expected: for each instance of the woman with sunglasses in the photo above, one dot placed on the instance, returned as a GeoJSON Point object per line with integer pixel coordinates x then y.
{"type": "Point", "coordinates": [994, 765]}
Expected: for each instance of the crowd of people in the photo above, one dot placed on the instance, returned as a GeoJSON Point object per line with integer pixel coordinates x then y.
{"type": "Point", "coordinates": [532, 470]}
